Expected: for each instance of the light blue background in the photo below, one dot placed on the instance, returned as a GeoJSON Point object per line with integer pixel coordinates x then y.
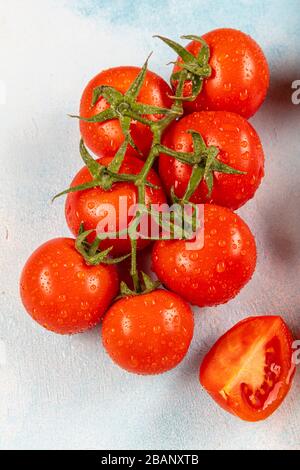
{"type": "Point", "coordinates": [64, 392]}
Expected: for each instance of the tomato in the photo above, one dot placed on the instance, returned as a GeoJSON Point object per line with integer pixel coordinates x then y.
{"type": "Point", "coordinates": [148, 333]}
{"type": "Point", "coordinates": [240, 74]}
{"type": "Point", "coordinates": [90, 206]}
{"type": "Point", "coordinates": [105, 138]}
{"type": "Point", "coordinates": [215, 272]}
{"type": "Point", "coordinates": [239, 147]}
{"type": "Point", "coordinates": [249, 369]}
{"type": "Point", "coordinates": [61, 292]}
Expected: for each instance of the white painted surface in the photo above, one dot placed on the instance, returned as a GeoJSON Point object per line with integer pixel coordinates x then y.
{"type": "Point", "coordinates": [58, 392]}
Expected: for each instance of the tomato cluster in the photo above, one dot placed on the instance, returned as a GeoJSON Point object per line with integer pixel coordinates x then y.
{"type": "Point", "coordinates": [209, 157]}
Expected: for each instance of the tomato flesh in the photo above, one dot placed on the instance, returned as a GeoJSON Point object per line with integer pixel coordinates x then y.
{"type": "Point", "coordinates": [249, 370]}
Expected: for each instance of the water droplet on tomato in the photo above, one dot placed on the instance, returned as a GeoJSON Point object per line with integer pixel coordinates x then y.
{"type": "Point", "coordinates": [227, 86]}
{"type": "Point", "coordinates": [220, 267]}
{"type": "Point", "coordinates": [245, 155]}
{"type": "Point", "coordinates": [84, 305]}
{"type": "Point", "coordinates": [244, 94]}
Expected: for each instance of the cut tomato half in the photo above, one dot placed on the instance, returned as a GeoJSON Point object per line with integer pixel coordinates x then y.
{"type": "Point", "coordinates": [249, 370]}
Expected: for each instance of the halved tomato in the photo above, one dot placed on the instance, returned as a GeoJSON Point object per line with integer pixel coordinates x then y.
{"type": "Point", "coordinates": [249, 370]}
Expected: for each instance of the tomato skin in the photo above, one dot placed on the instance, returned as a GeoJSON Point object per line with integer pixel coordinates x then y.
{"type": "Point", "coordinates": [215, 273]}
{"type": "Point", "coordinates": [105, 138]}
{"type": "Point", "coordinates": [226, 369]}
{"type": "Point", "coordinates": [240, 74]}
{"type": "Point", "coordinates": [85, 206]}
{"type": "Point", "coordinates": [239, 147]}
{"type": "Point", "coordinates": [61, 292]}
{"type": "Point", "coordinates": [149, 333]}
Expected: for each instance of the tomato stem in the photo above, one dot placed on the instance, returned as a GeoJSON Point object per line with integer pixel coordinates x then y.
{"type": "Point", "coordinates": [133, 270]}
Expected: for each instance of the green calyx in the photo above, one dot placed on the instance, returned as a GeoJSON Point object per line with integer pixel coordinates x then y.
{"type": "Point", "coordinates": [195, 69]}
{"type": "Point", "coordinates": [125, 107]}
{"type": "Point", "coordinates": [204, 163]}
{"type": "Point", "coordinates": [91, 251]}
{"type": "Point", "coordinates": [103, 176]}
{"type": "Point", "coordinates": [146, 286]}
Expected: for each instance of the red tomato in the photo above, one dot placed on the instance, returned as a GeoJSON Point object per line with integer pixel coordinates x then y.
{"type": "Point", "coordinates": [240, 74]}
{"type": "Point", "coordinates": [90, 206]}
{"type": "Point", "coordinates": [61, 292]}
{"type": "Point", "coordinates": [249, 369]}
{"type": "Point", "coordinates": [216, 272]}
{"type": "Point", "coordinates": [148, 333]}
{"type": "Point", "coordinates": [239, 147]}
{"type": "Point", "coordinates": [143, 260]}
{"type": "Point", "coordinates": [105, 138]}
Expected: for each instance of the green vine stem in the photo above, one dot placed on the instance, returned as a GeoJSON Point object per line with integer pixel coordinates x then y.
{"type": "Point", "coordinates": [126, 108]}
